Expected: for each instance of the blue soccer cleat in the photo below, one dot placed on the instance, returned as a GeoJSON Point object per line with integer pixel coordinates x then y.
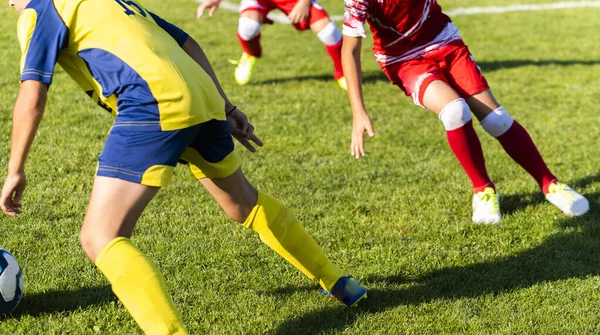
{"type": "Point", "coordinates": [348, 291]}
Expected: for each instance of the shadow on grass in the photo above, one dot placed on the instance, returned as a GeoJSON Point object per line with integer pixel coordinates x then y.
{"type": "Point", "coordinates": [51, 302]}
{"type": "Point", "coordinates": [572, 254]}
{"type": "Point", "coordinates": [486, 66]}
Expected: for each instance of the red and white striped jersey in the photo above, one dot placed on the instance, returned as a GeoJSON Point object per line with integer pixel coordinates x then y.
{"type": "Point", "coordinates": [402, 29]}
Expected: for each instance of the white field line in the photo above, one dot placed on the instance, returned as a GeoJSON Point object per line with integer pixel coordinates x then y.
{"type": "Point", "coordinates": [281, 18]}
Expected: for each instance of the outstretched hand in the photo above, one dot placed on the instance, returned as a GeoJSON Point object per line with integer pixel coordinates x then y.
{"type": "Point", "coordinates": [360, 124]}
{"type": "Point", "coordinates": [242, 130]}
{"type": "Point", "coordinates": [213, 5]}
{"type": "Point", "coordinates": [12, 192]}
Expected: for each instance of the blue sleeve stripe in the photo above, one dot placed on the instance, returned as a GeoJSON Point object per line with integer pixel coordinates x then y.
{"type": "Point", "coordinates": [177, 33]}
{"type": "Point", "coordinates": [36, 77]}
{"type": "Point", "coordinates": [34, 71]}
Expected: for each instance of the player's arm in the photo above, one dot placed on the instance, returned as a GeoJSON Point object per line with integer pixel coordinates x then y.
{"type": "Point", "coordinates": [191, 47]}
{"type": "Point", "coordinates": [42, 36]}
{"type": "Point", "coordinates": [361, 122]}
{"type": "Point", "coordinates": [27, 115]}
{"type": "Point", "coordinates": [355, 16]}
{"type": "Point", "coordinates": [212, 5]}
{"type": "Point", "coordinates": [239, 126]}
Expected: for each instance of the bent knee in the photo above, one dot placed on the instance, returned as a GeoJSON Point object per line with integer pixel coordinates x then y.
{"type": "Point", "coordinates": [455, 114]}
{"type": "Point", "coordinates": [239, 212]}
{"type": "Point", "coordinates": [248, 28]}
{"type": "Point", "coordinates": [93, 241]}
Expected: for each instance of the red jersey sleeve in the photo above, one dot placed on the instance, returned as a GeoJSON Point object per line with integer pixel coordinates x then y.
{"type": "Point", "coordinates": [355, 16]}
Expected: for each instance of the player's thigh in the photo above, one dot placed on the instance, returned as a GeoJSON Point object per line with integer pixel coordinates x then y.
{"type": "Point", "coordinates": [424, 81]}
{"type": "Point", "coordinates": [253, 15]}
{"type": "Point", "coordinates": [318, 17]}
{"type": "Point", "coordinates": [437, 95]}
{"type": "Point", "coordinates": [134, 163]}
{"type": "Point", "coordinates": [256, 10]}
{"type": "Point", "coordinates": [213, 161]}
{"type": "Point", "coordinates": [115, 206]}
{"type": "Point", "coordinates": [482, 104]}
{"type": "Point", "coordinates": [466, 78]}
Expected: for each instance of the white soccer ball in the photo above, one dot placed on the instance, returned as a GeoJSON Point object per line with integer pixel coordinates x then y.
{"type": "Point", "coordinates": [11, 282]}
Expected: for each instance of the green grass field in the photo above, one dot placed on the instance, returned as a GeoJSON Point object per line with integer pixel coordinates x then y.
{"type": "Point", "coordinates": [399, 219]}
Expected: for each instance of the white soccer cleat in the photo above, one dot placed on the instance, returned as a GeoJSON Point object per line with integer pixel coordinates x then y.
{"type": "Point", "coordinates": [243, 70]}
{"type": "Point", "coordinates": [486, 207]}
{"type": "Point", "coordinates": [568, 201]}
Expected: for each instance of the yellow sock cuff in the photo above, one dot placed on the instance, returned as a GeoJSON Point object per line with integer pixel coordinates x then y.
{"type": "Point", "coordinates": [105, 251]}
{"type": "Point", "coordinates": [267, 209]}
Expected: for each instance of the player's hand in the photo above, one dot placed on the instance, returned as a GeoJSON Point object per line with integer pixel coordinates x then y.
{"type": "Point", "coordinates": [12, 192]}
{"type": "Point", "coordinates": [300, 12]}
{"type": "Point", "coordinates": [242, 130]}
{"type": "Point", "coordinates": [208, 4]}
{"type": "Point", "coordinates": [360, 124]}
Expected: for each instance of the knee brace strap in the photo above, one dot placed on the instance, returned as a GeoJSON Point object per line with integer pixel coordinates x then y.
{"type": "Point", "coordinates": [455, 114]}
{"type": "Point", "coordinates": [497, 122]}
{"type": "Point", "coordinates": [248, 28]}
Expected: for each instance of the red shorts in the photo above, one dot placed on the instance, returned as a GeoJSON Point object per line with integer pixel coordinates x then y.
{"type": "Point", "coordinates": [451, 63]}
{"type": "Point", "coordinates": [317, 12]}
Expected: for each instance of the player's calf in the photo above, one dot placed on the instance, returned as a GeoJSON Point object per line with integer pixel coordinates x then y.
{"type": "Point", "coordinates": [457, 119]}
{"type": "Point", "coordinates": [279, 228]}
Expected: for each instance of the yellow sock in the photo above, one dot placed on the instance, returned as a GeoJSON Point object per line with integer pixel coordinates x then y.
{"type": "Point", "coordinates": [279, 228]}
{"type": "Point", "coordinates": [140, 287]}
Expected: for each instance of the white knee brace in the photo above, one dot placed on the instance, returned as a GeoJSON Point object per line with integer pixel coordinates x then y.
{"type": "Point", "coordinates": [497, 122]}
{"type": "Point", "coordinates": [330, 35]}
{"type": "Point", "coordinates": [455, 114]}
{"type": "Point", "coordinates": [248, 28]}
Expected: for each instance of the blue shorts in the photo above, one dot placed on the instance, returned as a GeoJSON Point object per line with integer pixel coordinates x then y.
{"type": "Point", "coordinates": [149, 157]}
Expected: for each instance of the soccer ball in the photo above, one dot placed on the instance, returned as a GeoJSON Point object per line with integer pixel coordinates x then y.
{"type": "Point", "coordinates": [11, 282]}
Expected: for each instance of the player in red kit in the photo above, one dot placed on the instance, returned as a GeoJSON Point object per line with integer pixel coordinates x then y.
{"type": "Point", "coordinates": [421, 51]}
{"type": "Point", "coordinates": [303, 14]}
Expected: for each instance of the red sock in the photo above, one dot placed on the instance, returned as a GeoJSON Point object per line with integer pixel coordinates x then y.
{"type": "Point", "coordinates": [251, 47]}
{"type": "Point", "coordinates": [467, 149]}
{"type": "Point", "coordinates": [335, 52]}
{"type": "Point", "coordinates": [519, 146]}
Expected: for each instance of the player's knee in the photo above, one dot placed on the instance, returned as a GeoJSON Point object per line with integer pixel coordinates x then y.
{"type": "Point", "coordinates": [88, 243]}
{"type": "Point", "coordinates": [497, 122]}
{"type": "Point", "coordinates": [330, 34]}
{"type": "Point", "coordinates": [248, 28]}
{"type": "Point", "coordinates": [455, 114]}
{"type": "Point", "coordinates": [93, 240]}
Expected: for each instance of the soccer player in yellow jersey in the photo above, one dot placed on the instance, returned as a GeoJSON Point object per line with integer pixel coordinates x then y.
{"type": "Point", "coordinates": [168, 106]}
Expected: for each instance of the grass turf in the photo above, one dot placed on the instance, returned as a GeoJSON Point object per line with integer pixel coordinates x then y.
{"type": "Point", "coordinates": [399, 219]}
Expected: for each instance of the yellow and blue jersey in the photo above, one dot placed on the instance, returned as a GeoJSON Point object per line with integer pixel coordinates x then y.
{"type": "Point", "coordinates": [125, 57]}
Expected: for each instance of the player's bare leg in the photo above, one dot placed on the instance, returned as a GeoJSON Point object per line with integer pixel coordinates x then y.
{"type": "Point", "coordinates": [114, 208]}
{"type": "Point", "coordinates": [330, 35]}
{"type": "Point", "coordinates": [249, 36]}
{"type": "Point", "coordinates": [455, 114]}
{"type": "Point", "coordinates": [278, 228]}
{"type": "Point", "coordinates": [520, 147]}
